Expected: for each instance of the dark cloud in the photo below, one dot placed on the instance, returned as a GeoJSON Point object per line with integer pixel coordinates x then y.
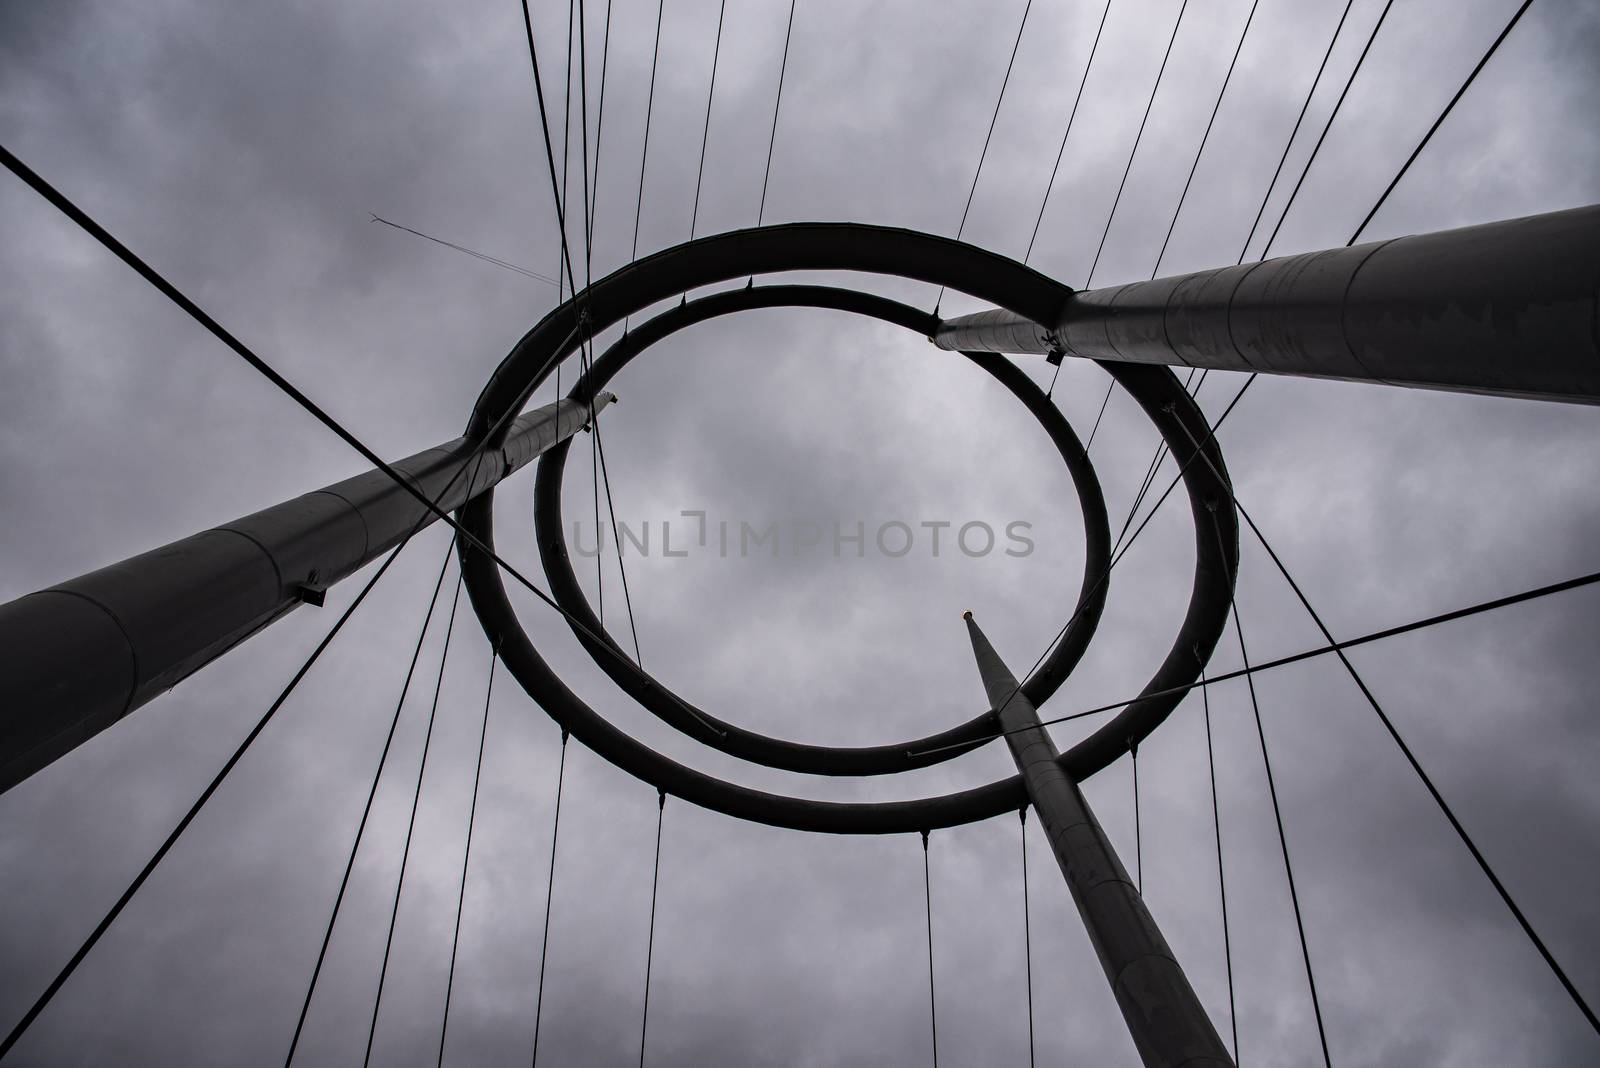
{"type": "Point", "coordinates": [241, 148]}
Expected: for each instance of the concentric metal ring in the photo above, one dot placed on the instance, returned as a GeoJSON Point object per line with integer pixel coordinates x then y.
{"type": "Point", "coordinates": [750, 745]}
{"type": "Point", "coordinates": [818, 246]}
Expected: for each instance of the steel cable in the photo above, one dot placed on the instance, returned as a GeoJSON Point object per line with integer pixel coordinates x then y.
{"type": "Point", "coordinates": [1222, 882]}
{"type": "Point", "coordinates": [549, 894]}
{"type": "Point", "coordinates": [650, 942]}
{"type": "Point", "coordinates": [1134, 152]}
{"type": "Point", "coordinates": [988, 135]}
{"type": "Point", "coordinates": [933, 1005]}
{"type": "Point", "coordinates": [1071, 118]}
{"type": "Point", "coordinates": [1283, 839]}
{"type": "Point", "coordinates": [139, 880]}
{"type": "Point", "coordinates": [466, 856]}
{"type": "Point", "coordinates": [1027, 929]}
{"type": "Point", "coordinates": [772, 139]}
{"type": "Point", "coordinates": [366, 811]}
{"type": "Point", "coordinates": [411, 824]}
{"type": "Point", "coordinates": [705, 133]}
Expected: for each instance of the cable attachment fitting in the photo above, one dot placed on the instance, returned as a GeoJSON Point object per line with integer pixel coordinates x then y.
{"type": "Point", "coordinates": [924, 841]}
{"type": "Point", "coordinates": [313, 591]}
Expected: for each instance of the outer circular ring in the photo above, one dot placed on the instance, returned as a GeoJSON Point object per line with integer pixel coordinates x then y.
{"type": "Point", "coordinates": [753, 746]}
{"type": "Point", "coordinates": [833, 246]}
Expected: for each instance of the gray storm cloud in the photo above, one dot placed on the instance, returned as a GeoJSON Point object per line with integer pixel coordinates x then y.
{"type": "Point", "coordinates": [241, 148]}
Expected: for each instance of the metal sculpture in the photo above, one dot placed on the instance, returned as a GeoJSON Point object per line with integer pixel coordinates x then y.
{"type": "Point", "coordinates": [1507, 309]}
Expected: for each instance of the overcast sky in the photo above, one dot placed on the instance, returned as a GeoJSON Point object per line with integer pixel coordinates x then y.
{"type": "Point", "coordinates": [241, 148]}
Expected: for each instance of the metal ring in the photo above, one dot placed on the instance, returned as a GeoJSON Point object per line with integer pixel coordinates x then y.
{"type": "Point", "coordinates": [822, 246]}
{"type": "Point", "coordinates": [751, 745]}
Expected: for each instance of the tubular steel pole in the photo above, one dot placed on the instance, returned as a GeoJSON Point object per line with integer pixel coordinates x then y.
{"type": "Point", "coordinates": [1508, 308]}
{"type": "Point", "coordinates": [1168, 1024]}
{"type": "Point", "coordinates": [82, 654]}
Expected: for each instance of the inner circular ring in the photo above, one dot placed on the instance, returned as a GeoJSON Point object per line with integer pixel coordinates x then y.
{"type": "Point", "coordinates": [842, 246]}
{"type": "Point", "coordinates": [751, 745]}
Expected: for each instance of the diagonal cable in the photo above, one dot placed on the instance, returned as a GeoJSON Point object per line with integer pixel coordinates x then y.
{"type": "Point", "coordinates": [1581, 581]}
{"type": "Point", "coordinates": [549, 894]}
{"type": "Point", "coordinates": [411, 825]}
{"type": "Point", "coordinates": [1338, 650]}
{"type": "Point", "coordinates": [466, 856]}
{"type": "Point", "coordinates": [167, 289]}
{"type": "Point", "coordinates": [1504, 33]}
{"type": "Point", "coordinates": [166, 846]}
{"type": "Point", "coordinates": [1289, 144]}
{"type": "Point", "coordinates": [933, 1004]}
{"type": "Point", "coordinates": [366, 811]}
{"type": "Point", "coordinates": [1283, 839]}
{"type": "Point", "coordinates": [1104, 576]}
{"type": "Point", "coordinates": [1373, 36]}
{"type": "Point", "coordinates": [1222, 881]}
{"type": "Point", "coordinates": [1205, 138]}
{"type": "Point", "coordinates": [989, 135]}
{"type": "Point", "coordinates": [777, 103]}
{"type": "Point", "coordinates": [649, 110]}
{"type": "Point", "coordinates": [1027, 930]}
{"type": "Point", "coordinates": [1134, 152]}
{"type": "Point", "coordinates": [705, 133]}
{"type": "Point", "coordinates": [1071, 117]}
{"type": "Point", "coordinates": [650, 942]}
{"type": "Point", "coordinates": [238, 754]}
{"type": "Point", "coordinates": [1138, 835]}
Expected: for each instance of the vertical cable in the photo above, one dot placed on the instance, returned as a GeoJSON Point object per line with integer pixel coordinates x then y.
{"type": "Point", "coordinates": [366, 811]}
{"type": "Point", "coordinates": [1222, 882]}
{"type": "Point", "coordinates": [933, 1005]}
{"type": "Point", "coordinates": [644, 152]}
{"type": "Point", "coordinates": [1138, 837]}
{"type": "Point", "coordinates": [599, 531]}
{"type": "Point", "coordinates": [600, 120]}
{"type": "Point", "coordinates": [411, 825]}
{"type": "Point", "coordinates": [650, 943]}
{"type": "Point", "coordinates": [1027, 929]}
{"type": "Point", "coordinates": [772, 140]}
{"type": "Point", "coordinates": [563, 256]}
{"type": "Point", "coordinates": [549, 893]}
{"type": "Point", "coordinates": [588, 277]}
{"type": "Point", "coordinates": [466, 856]}
{"type": "Point", "coordinates": [705, 133]}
